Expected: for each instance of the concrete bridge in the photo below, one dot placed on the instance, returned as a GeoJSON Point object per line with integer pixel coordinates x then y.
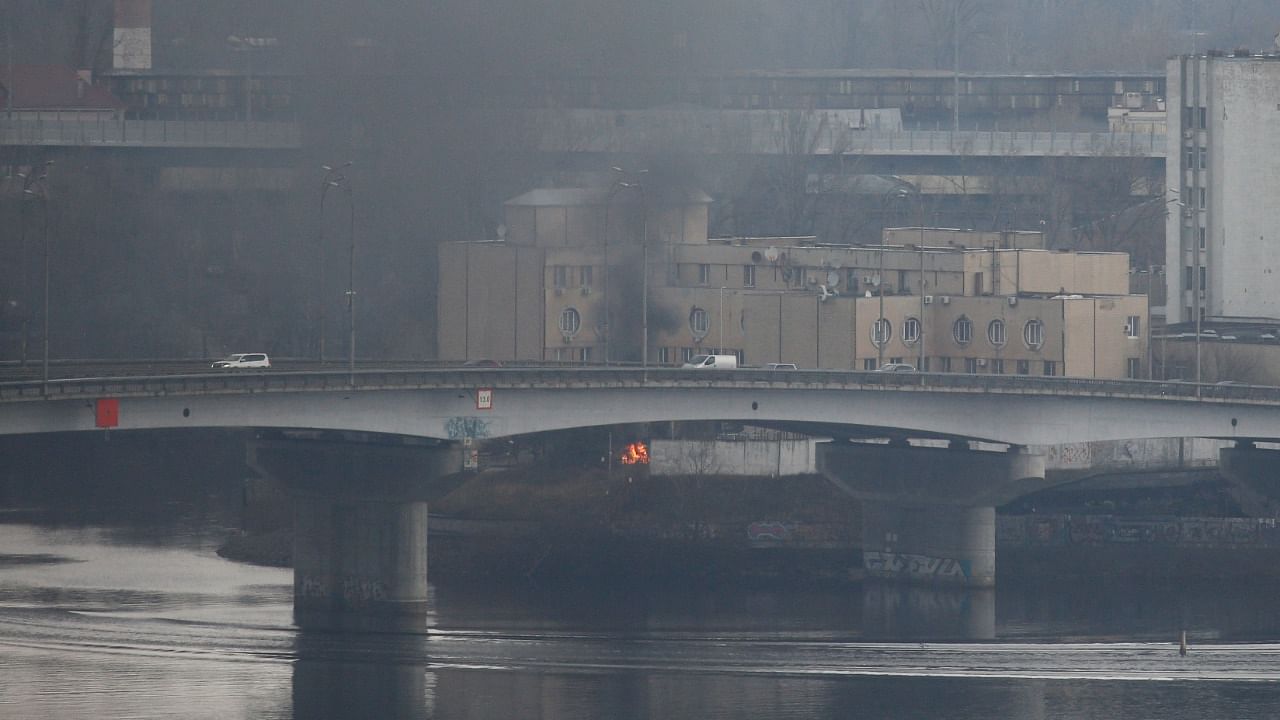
{"type": "Point", "coordinates": [365, 452]}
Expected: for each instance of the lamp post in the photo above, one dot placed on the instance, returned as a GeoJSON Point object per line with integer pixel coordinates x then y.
{"type": "Point", "coordinates": [721, 350]}
{"type": "Point", "coordinates": [880, 334]}
{"type": "Point", "coordinates": [955, 67]}
{"type": "Point", "coordinates": [332, 178]}
{"type": "Point", "coordinates": [608, 201]}
{"type": "Point", "coordinates": [644, 264]}
{"type": "Point", "coordinates": [38, 187]}
{"type": "Point", "coordinates": [351, 285]}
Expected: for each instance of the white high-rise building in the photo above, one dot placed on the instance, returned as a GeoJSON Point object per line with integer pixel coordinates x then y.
{"type": "Point", "coordinates": [1223, 175]}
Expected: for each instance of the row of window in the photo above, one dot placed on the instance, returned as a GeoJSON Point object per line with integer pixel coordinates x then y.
{"type": "Point", "coordinates": [992, 366]}
{"type": "Point", "coordinates": [561, 275]}
{"type": "Point", "coordinates": [961, 332]}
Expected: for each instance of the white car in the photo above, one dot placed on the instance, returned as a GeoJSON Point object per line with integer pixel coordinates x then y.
{"type": "Point", "coordinates": [236, 361]}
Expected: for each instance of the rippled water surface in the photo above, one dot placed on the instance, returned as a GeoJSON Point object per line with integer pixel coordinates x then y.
{"type": "Point", "coordinates": [100, 622]}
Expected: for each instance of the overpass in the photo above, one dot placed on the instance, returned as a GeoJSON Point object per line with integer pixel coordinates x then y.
{"type": "Point", "coordinates": [364, 452]}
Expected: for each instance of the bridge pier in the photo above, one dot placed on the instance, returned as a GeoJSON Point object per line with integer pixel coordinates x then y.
{"type": "Point", "coordinates": [360, 527]}
{"type": "Point", "coordinates": [1255, 473]}
{"type": "Point", "coordinates": [928, 514]}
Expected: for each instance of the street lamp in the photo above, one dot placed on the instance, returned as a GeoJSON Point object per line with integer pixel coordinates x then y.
{"type": "Point", "coordinates": [644, 265]}
{"type": "Point", "coordinates": [38, 187]}
{"type": "Point", "coordinates": [721, 350]}
{"type": "Point", "coordinates": [351, 285]}
{"type": "Point", "coordinates": [247, 46]}
{"type": "Point", "coordinates": [332, 178]}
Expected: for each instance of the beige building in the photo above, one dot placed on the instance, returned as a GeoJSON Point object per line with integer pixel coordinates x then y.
{"type": "Point", "coordinates": [942, 300]}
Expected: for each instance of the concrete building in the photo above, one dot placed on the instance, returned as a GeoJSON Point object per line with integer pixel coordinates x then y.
{"type": "Point", "coordinates": [942, 300]}
{"type": "Point", "coordinates": [1222, 239]}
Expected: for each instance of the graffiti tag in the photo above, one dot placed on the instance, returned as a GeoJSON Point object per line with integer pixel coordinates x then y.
{"type": "Point", "coordinates": [457, 428]}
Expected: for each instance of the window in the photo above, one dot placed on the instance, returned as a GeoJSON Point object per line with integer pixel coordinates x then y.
{"type": "Point", "coordinates": [1204, 198]}
{"type": "Point", "coordinates": [1188, 277]}
{"type": "Point", "coordinates": [911, 331]}
{"type": "Point", "coordinates": [996, 333]}
{"type": "Point", "coordinates": [962, 331]}
{"type": "Point", "coordinates": [851, 281]}
{"type": "Point", "coordinates": [664, 355]}
{"type": "Point", "coordinates": [798, 276]}
{"type": "Point", "coordinates": [896, 360]}
{"type": "Point", "coordinates": [924, 364]}
{"type": "Point", "coordinates": [1133, 326]}
{"type": "Point", "coordinates": [1203, 117]}
{"type": "Point", "coordinates": [584, 276]}
{"type": "Point", "coordinates": [704, 274]}
{"type": "Point", "coordinates": [570, 322]}
{"type": "Point", "coordinates": [1202, 238]}
{"type": "Point", "coordinates": [686, 354]}
{"type": "Point", "coordinates": [1132, 368]}
{"type": "Point", "coordinates": [1050, 368]}
{"type": "Point", "coordinates": [585, 355]}
{"type": "Point", "coordinates": [1190, 160]}
{"type": "Point", "coordinates": [944, 364]}
{"type": "Point", "coordinates": [971, 365]}
{"type": "Point", "coordinates": [869, 364]}
{"type": "Point", "coordinates": [561, 275]}
{"type": "Point", "coordinates": [903, 287]}
{"type": "Point", "coordinates": [1204, 158]}
{"type": "Point", "coordinates": [1203, 278]}
{"type": "Point", "coordinates": [699, 321]}
{"type": "Point", "coordinates": [748, 276]}
{"type": "Point", "coordinates": [1033, 334]}
{"type": "Point", "coordinates": [997, 366]}
{"type": "Point", "coordinates": [1024, 367]}
{"type": "Point", "coordinates": [881, 331]}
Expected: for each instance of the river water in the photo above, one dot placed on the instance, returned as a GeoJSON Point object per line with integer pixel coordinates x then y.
{"type": "Point", "coordinates": [111, 615]}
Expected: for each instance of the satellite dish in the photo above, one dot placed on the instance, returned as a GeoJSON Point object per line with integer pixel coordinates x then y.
{"type": "Point", "coordinates": [772, 254]}
{"type": "Point", "coordinates": [833, 278]}
{"type": "Point", "coordinates": [502, 231]}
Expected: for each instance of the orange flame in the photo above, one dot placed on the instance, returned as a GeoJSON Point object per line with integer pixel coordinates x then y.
{"type": "Point", "coordinates": [637, 453]}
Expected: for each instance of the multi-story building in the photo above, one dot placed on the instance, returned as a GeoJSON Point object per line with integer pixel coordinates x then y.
{"type": "Point", "coordinates": [944, 300]}
{"type": "Point", "coordinates": [1223, 234]}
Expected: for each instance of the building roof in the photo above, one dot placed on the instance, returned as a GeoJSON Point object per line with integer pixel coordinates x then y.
{"type": "Point", "coordinates": [52, 87]}
{"type": "Point", "coordinates": [566, 197]}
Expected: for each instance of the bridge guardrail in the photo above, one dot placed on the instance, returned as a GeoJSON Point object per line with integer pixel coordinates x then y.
{"type": "Point", "coordinates": [188, 380]}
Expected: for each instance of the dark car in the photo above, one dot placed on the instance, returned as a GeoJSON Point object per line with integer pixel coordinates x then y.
{"type": "Point", "coordinates": [485, 363]}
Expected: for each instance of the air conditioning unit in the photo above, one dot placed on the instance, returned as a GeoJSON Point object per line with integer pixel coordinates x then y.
{"type": "Point", "coordinates": [945, 300]}
{"type": "Point", "coordinates": [1188, 134]}
{"type": "Point", "coordinates": [559, 291]}
{"type": "Point", "coordinates": [1188, 213]}
{"type": "Point", "coordinates": [1013, 300]}
{"type": "Point", "coordinates": [928, 299]}
{"type": "Point", "coordinates": [566, 339]}
{"type": "Point", "coordinates": [586, 289]}
{"type": "Point", "coordinates": [982, 362]}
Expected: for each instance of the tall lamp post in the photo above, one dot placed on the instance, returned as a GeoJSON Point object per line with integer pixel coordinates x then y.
{"type": "Point", "coordinates": [644, 264]}
{"type": "Point", "coordinates": [332, 178]}
{"type": "Point", "coordinates": [351, 285]}
{"type": "Point", "coordinates": [37, 186]}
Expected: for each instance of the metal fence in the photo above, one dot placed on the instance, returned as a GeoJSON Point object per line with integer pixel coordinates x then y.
{"type": "Point", "coordinates": [55, 129]}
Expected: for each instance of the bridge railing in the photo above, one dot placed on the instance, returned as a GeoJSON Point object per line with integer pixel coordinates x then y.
{"type": "Point", "coordinates": [53, 129]}
{"type": "Point", "coordinates": [199, 381]}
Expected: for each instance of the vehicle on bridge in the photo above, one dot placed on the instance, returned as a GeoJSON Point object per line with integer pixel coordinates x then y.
{"type": "Point", "coordinates": [780, 366]}
{"type": "Point", "coordinates": [897, 367]}
{"type": "Point", "coordinates": [712, 362]}
{"type": "Point", "coordinates": [237, 361]}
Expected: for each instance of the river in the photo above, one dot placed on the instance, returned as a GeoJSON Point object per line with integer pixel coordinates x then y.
{"type": "Point", "coordinates": [127, 612]}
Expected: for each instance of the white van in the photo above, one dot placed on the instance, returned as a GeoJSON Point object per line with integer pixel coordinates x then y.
{"type": "Point", "coordinates": [713, 362]}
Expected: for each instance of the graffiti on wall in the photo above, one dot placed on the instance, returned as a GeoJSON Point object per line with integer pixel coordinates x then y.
{"type": "Point", "coordinates": [457, 428]}
{"type": "Point", "coordinates": [924, 567]}
{"type": "Point", "coordinates": [1063, 530]}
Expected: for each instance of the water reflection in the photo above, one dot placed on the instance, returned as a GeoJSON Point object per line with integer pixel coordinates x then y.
{"type": "Point", "coordinates": [893, 611]}
{"type": "Point", "coordinates": [338, 676]}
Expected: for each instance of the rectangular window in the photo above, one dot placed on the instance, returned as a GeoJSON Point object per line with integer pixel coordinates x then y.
{"type": "Point", "coordinates": [997, 366]}
{"type": "Point", "coordinates": [1204, 117]}
{"type": "Point", "coordinates": [1202, 238]}
{"type": "Point", "coordinates": [1132, 326]}
{"type": "Point", "coordinates": [586, 355]}
{"type": "Point", "coordinates": [748, 276]}
{"type": "Point", "coordinates": [1133, 368]}
{"type": "Point", "coordinates": [584, 276]}
{"type": "Point", "coordinates": [944, 364]}
{"type": "Point", "coordinates": [851, 281]}
{"type": "Point", "coordinates": [561, 275]}
{"type": "Point", "coordinates": [895, 359]}
{"type": "Point", "coordinates": [1024, 367]}
{"type": "Point", "coordinates": [869, 364]}
{"type": "Point", "coordinates": [1203, 278]}
{"type": "Point", "coordinates": [1190, 160]}
{"type": "Point", "coordinates": [704, 274]}
{"type": "Point", "coordinates": [1188, 277]}
{"type": "Point", "coordinates": [971, 365]}
{"type": "Point", "coordinates": [1204, 158]}
{"type": "Point", "coordinates": [797, 277]}
{"type": "Point", "coordinates": [1204, 198]}
{"type": "Point", "coordinates": [664, 355]}
{"type": "Point", "coordinates": [903, 287]}
{"type": "Point", "coordinates": [924, 364]}
{"type": "Point", "coordinates": [1050, 368]}
{"type": "Point", "coordinates": [686, 354]}
{"type": "Point", "coordinates": [977, 284]}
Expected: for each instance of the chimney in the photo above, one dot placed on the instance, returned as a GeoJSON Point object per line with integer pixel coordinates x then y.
{"type": "Point", "coordinates": [132, 46]}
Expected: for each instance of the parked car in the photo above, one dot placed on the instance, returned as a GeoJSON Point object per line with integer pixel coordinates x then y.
{"type": "Point", "coordinates": [482, 363]}
{"type": "Point", "coordinates": [780, 366]}
{"type": "Point", "coordinates": [238, 361]}
{"type": "Point", "coordinates": [896, 367]}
